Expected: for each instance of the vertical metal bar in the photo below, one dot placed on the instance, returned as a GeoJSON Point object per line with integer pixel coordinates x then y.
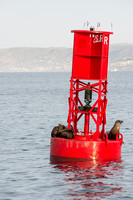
{"type": "Point", "coordinates": [98, 109]}
{"type": "Point", "coordinates": [70, 104]}
{"type": "Point", "coordinates": [76, 102]}
{"type": "Point", "coordinates": [105, 105]}
{"type": "Point", "coordinates": [86, 124]}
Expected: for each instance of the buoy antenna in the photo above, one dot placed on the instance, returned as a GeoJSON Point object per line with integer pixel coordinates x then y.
{"type": "Point", "coordinates": [98, 25]}
{"type": "Point", "coordinates": [111, 26]}
{"type": "Point", "coordinates": [87, 23]}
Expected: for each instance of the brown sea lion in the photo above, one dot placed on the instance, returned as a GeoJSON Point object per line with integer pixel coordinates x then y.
{"type": "Point", "coordinates": [62, 131]}
{"type": "Point", "coordinates": [67, 134]}
{"type": "Point", "coordinates": [55, 131]}
{"type": "Point", "coordinates": [115, 130]}
{"type": "Point", "coordinates": [61, 127]}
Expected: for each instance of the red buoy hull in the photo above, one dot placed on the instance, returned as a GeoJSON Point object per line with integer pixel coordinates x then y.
{"type": "Point", "coordinates": [82, 148]}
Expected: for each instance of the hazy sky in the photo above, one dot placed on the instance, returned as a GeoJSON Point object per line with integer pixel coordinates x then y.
{"type": "Point", "coordinates": [48, 23]}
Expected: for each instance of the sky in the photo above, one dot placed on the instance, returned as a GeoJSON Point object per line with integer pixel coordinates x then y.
{"type": "Point", "coordinates": [48, 23]}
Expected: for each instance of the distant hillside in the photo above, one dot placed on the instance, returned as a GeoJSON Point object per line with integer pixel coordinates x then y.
{"type": "Point", "coordinates": [35, 59]}
{"type": "Point", "coordinates": [121, 57]}
{"type": "Point", "coordinates": [58, 59]}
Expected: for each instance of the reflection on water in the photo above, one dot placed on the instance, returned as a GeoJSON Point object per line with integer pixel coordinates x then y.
{"type": "Point", "coordinates": [92, 179]}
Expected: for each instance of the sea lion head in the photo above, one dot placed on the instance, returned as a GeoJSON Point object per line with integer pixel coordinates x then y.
{"type": "Point", "coordinates": [61, 127]}
{"type": "Point", "coordinates": [119, 122]}
{"type": "Point", "coordinates": [117, 125]}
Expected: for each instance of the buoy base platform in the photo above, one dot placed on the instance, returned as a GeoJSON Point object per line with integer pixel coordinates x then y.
{"type": "Point", "coordinates": [83, 148]}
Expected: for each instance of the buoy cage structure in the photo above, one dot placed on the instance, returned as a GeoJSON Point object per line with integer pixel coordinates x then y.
{"type": "Point", "coordinates": [89, 74]}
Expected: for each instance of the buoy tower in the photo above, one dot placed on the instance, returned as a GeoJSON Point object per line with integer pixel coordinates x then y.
{"type": "Point", "coordinates": [89, 74]}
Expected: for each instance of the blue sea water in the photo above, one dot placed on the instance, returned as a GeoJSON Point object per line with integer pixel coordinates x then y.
{"type": "Point", "coordinates": [31, 104]}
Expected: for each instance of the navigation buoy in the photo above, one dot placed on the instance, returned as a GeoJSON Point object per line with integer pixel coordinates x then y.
{"type": "Point", "coordinates": [89, 74]}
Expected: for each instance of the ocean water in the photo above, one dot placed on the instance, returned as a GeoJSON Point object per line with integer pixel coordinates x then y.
{"type": "Point", "coordinates": [31, 104]}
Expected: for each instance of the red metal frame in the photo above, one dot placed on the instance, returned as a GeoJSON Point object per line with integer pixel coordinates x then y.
{"type": "Point", "coordinates": [99, 116]}
{"type": "Point", "coordinates": [90, 62]}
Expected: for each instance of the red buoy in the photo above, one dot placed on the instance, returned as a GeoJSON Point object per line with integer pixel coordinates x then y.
{"type": "Point", "coordinates": [89, 74]}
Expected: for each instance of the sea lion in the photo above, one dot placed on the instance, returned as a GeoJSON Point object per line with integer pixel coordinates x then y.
{"type": "Point", "coordinates": [62, 131]}
{"type": "Point", "coordinates": [61, 128]}
{"type": "Point", "coordinates": [115, 130]}
{"type": "Point", "coordinates": [55, 131]}
{"type": "Point", "coordinates": [67, 134]}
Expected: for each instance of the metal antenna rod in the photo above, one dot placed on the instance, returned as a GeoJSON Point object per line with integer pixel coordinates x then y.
{"type": "Point", "coordinates": [87, 24]}
{"type": "Point", "coordinates": [111, 27]}
{"type": "Point", "coordinates": [98, 24]}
